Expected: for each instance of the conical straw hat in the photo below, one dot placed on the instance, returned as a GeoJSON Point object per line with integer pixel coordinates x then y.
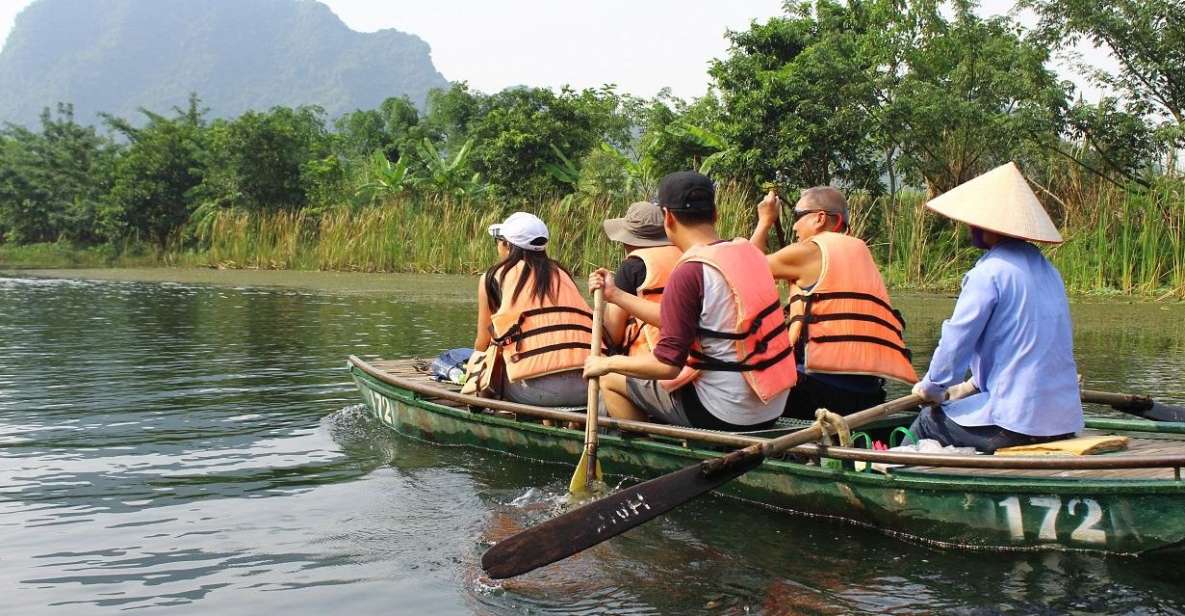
{"type": "Point", "coordinates": [1000, 201]}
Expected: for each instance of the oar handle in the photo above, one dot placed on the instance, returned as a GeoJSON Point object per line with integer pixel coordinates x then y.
{"type": "Point", "coordinates": [780, 445]}
{"type": "Point", "coordinates": [594, 384]}
{"type": "Point", "coordinates": [1119, 402]}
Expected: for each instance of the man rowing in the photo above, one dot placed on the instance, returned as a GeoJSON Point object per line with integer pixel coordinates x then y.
{"type": "Point", "coordinates": [847, 337]}
{"type": "Point", "coordinates": [1010, 326]}
{"type": "Point", "coordinates": [650, 258]}
{"type": "Point", "coordinates": [722, 360]}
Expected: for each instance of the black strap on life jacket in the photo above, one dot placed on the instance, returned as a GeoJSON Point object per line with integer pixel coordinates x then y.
{"type": "Point", "coordinates": [516, 332]}
{"type": "Point", "coordinates": [703, 361]}
{"type": "Point", "coordinates": [654, 291]}
{"type": "Point", "coordinates": [628, 342]}
{"type": "Point", "coordinates": [830, 295]}
{"type": "Point", "coordinates": [519, 356]}
{"type": "Point", "coordinates": [753, 327]}
{"type": "Point", "coordinates": [871, 339]}
{"type": "Point", "coordinates": [844, 316]}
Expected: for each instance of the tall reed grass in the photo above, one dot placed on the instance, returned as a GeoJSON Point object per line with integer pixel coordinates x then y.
{"type": "Point", "coordinates": [1116, 241]}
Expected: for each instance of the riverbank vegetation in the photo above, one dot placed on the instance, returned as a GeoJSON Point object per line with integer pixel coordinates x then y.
{"type": "Point", "coordinates": [892, 101]}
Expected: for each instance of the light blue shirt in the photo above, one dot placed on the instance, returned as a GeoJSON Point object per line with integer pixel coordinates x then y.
{"type": "Point", "coordinates": [1011, 327]}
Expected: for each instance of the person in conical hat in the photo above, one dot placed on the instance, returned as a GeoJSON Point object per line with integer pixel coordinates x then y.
{"type": "Point", "coordinates": [1011, 328]}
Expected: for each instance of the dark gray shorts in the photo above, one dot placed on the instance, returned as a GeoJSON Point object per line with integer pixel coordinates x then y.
{"type": "Point", "coordinates": [681, 407]}
{"type": "Point", "coordinates": [661, 405]}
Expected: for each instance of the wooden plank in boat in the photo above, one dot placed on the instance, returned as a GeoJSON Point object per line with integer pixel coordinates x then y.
{"type": "Point", "coordinates": [1137, 446]}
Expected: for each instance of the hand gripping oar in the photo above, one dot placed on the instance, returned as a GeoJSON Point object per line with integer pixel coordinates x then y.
{"type": "Point", "coordinates": [1140, 406]}
{"type": "Point", "coordinates": [588, 470]}
{"type": "Point", "coordinates": [582, 528]}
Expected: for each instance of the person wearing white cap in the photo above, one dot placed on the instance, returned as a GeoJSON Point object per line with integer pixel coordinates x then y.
{"type": "Point", "coordinates": [533, 325]}
{"type": "Point", "coordinates": [1011, 327]}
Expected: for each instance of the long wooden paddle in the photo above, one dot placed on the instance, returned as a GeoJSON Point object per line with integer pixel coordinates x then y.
{"type": "Point", "coordinates": [582, 528]}
{"type": "Point", "coordinates": [588, 470]}
{"type": "Point", "coordinates": [1140, 406]}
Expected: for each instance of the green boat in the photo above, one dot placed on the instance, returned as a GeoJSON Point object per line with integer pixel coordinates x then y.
{"type": "Point", "coordinates": [1128, 502]}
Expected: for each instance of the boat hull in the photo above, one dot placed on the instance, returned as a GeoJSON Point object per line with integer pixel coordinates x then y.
{"type": "Point", "coordinates": [1127, 517]}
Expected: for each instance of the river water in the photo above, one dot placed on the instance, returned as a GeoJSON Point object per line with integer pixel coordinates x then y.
{"type": "Point", "coordinates": [198, 447]}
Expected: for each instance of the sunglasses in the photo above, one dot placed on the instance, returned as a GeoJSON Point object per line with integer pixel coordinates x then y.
{"type": "Point", "coordinates": [799, 214]}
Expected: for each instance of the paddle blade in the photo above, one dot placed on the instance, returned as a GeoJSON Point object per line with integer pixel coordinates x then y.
{"type": "Point", "coordinates": [603, 519]}
{"type": "Point", "coordinates": [580, 479]}
{"type": "Point", "coordinates": [1165, 412]}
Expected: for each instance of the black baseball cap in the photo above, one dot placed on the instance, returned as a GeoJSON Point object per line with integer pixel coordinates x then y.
{"type": "Point", "coordinates": [687, 191]}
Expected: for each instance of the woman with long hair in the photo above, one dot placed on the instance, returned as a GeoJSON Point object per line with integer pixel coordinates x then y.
{"type": "Point", "coordinates": [533, 325]}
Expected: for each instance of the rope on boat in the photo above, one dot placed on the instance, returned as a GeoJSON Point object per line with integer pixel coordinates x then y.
{"type": "Point", "coordinates": [832, 423]}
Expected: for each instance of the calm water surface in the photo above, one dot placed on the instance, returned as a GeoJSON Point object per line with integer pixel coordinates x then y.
{"type": "Point", "coordinates": [197, 447]}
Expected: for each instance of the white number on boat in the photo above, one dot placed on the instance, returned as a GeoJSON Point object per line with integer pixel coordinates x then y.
{"type": "Point", "coordinates": [1052, 506]}
{"type": "Point", "coordinates": [1016, 525]}
{"type": "Point", "coordinates": [1086, 532]}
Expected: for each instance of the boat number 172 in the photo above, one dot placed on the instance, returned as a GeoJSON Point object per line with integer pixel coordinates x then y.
{"type": "Point", "coordinates": [1086, 510]}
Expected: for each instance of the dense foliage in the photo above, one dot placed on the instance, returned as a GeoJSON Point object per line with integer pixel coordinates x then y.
{"type": "Point", "coordinates": [876, 96]}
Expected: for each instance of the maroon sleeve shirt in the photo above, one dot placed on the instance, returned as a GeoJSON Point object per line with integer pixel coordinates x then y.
{"type": "Point", "coordinates": [682, 303]}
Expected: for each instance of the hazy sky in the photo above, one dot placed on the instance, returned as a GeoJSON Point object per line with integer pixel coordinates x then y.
{"type": "Point", "coordinates": [640, 45]}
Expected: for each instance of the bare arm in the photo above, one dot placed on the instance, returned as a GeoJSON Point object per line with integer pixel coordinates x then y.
{"type": "Point", "coordinates": [630, 304]}
{"type": "Point", "coordinates": [482, 341]}
{"type": "Point", "coordinates": [798, 263]}
{"type": "Point", "coordinates": [644, 366]}
{"type": "Point", "coordinates": [767, 215]}
{"type": "Point", "coordinates": [615, 319]}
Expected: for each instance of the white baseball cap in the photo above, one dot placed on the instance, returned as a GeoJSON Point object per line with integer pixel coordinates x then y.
{"type": "Point", "coordinates": [523, 230]}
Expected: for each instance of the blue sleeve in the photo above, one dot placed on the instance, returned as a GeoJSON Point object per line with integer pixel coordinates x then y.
{"type": "Point", "coordinates": [961, 332]}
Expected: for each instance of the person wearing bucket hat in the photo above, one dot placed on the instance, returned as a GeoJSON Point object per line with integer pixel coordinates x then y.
{"type": "Point", "coordinates": [847, 337]}
{"type": "Point", "coordinates": [722, 360]}
{"type": "Point", "coordinates": [532, 322]}
{"type": "Point", "coordinates": [650, 257]}
{"type": "Point", "coordinates": [1010, 327]}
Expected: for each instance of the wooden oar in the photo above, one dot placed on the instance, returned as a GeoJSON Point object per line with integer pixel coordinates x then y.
{"type": "Point", "coordinates": [588, 470]}
{"type": "Point", "coordinates": [1140, 406]}
{"type": "Point", "coordinates": [608, 517]}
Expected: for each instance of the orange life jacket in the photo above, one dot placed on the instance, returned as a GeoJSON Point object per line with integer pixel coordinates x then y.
{"type": "Point", "coordinates": [763, 352]}
{"type": "Point", "coordinates": [641, 337]}
{"type": "Point", "coordinates": [535, 337]}
{"type": "Point", "coordinates": [845, 323]}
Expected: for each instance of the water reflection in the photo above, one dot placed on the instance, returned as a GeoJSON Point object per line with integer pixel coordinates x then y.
{"type": "Point", "coordinates": [166, 444]}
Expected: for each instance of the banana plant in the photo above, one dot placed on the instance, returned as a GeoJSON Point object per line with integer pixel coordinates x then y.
{"type": "Point", "coordinates": [640, 173]}
{"type": "Point", "coordinates": [446, 176]}
{"type": "Point", "coordinates": [705, 139]}
{"type": "Point", "coordinates": [386, 179]}
{"type": "Point", "coordinates": [566, 172]}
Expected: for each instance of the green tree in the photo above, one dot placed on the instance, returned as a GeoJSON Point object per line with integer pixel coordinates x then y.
{"type": "Point", "coordinates": [52, 182]}
{"type": "Point", "coordinates": [954, 97]}
{"type": "Point", "coordinates": [153, 191]}
{"type": "Point", "coordinates": [394, 128]}
{"type": "Point", "coordinates": [259, 161]}
{"type": "Point", "coordinates": [1146, 37]}
{"type": "Point", "coordinates": [793, 101]}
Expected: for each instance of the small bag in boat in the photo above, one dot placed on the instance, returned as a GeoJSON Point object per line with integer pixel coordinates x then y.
{"type": "Point", "coordinates": [484, 373]}
{"type": "Point", "coordinates": [450, 365]}
{"type": "Point", "coordinates": [1080, 446]}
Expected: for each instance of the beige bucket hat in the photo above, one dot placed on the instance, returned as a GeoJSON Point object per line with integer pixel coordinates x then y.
{"type": "Point", "coordinates": [641, 226]}
{"type": "Point", "coordinates": [1000, 201]}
